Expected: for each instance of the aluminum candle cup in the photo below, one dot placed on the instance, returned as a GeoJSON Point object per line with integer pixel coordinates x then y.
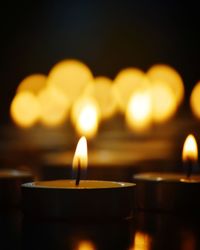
{"type": "Point", "coordinates": [167, 192]}
{"type": "Point", "coordinates": [171, 191]}
{"type": "Point", "coordinates": [90, 199]}
{"type": "Point", "coordinates": [10, 186]}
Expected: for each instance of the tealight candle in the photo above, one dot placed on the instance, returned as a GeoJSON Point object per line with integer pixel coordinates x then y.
{"type": "Point", "coordinates": [171, 191]}
{"type": "Point", "coordinates": [78, 198]}
{"type": "Point", "coordinates": [10, 186]}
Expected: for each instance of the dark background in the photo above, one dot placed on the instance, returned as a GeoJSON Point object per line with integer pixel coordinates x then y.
{"type": "Point", "coordinates": [106, 35]}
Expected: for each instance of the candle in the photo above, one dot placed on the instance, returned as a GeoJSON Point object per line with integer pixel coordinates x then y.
{"type": "Point", "coordinates": [78, 198]}
{"type": "Point", "coordinates": [171, 191]}
{"type": "Point", "coordinates": [10, 182]}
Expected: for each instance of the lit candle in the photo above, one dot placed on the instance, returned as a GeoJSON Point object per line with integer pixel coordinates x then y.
{"type": "Point", "coordinates": [10, 186]}
{"type": "Point", "coordinates": [78, 198]}
{"type": "Point", "coordinates": [171, 191]}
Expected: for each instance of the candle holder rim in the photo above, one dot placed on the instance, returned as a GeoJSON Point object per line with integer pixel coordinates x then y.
{"type": "Point", "coordinates": [8, 173]}
{"type": "Point", "coordinates": [120, 185]}
{"type": "Point", "coordinates": [161, 177]}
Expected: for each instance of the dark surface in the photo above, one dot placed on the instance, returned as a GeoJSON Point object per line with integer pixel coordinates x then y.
{"type": "Point", "coordinates": [146, 231]}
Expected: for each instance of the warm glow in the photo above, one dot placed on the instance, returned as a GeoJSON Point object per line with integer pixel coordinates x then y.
{"type": "Point", "coordinates": [81, 155]}
{"type": "Point", "coordinates": [169, 75]}
{"type": "Point", "coordinates": [164, 102]}
{"type": "Point", "coordinates": [54, 106]}
{"type": "Point", "coordinates": [85, 116]}
{"type": "Point", "coordinates": [195, 100]}
{"type": "Point", "coordinates": [25, 109]}
{"type": "Point", "coordinates": [71, 77]}
{"type": "Point", "coordinates": [101, 89]}
{"type": "Point", "coordinates": [126, 83]}
{"type": "Point", "coordinates": [33, 83]}
{"type": "Point", "coordinates": [142, 241]}
{"type": "Point", "coordinates": [139, 111]}
{"type": "Point", "coordinates": [190, 149]}
{"type": "Point", "coordinates": [86, 245]}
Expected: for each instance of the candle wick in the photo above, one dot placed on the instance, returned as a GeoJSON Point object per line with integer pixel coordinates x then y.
{"type": "Point", "coordinates": [189, 167]}
{"type": "Point", "coordinates": [78, 176]}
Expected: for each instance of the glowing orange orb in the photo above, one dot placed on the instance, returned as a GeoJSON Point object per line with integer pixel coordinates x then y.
{"type": "Point", "coordinates": [195, 100]}
{"type": "Point", "coordinates": [54, 106]}
{"type": "Point", "coordinates": [170, 76]}
{"type": "Point", "coordinates": [71, 77]}
{"type": "Point", "coordinates": [101, 89]}
{"type": "Point", "coordinates": [33, 83]}
{"type": "Point", "coordinates": [139, 111]}
{"type": "Point", "coordinates": [85, 116]}
{"type": "Point", "coordinates": [25, 109]}
{"type": "Point", "coordinates": [126, 83]}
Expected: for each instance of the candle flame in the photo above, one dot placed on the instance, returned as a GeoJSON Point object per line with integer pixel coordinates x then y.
{"type": "Point", "coordinates": [139, 111]}
{"type": "Point", "coordinates": [190, 149]}
{"type": "Point", "coordinates": [86, 245]}
{"type": "Point", "coordinates": [85, 116]}
{"type": "Point", "coordinates": [142, 241]}
{"type": "Point", "coordinates": [81, 155]}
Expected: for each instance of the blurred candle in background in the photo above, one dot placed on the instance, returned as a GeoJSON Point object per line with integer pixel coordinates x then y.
{"type": "Point", "coordinates": [54, 106]}
{"type": "Point", "coordinates": [167, 74]}
{"type": "Point", "coordinates": [139, 111]}
{"type": "Point", "coordinates": [85, 116]}
{"type": "Point", "coordinates": [195, 100]}
{"type": "Point", "coordinates": [71, 77]}
{"type": "Point", "coordinates": [101, 89]}
{"type": "Point", "coordinates": [126, 83]}
{"type": "Point", "coordinates": [85, 245]}
{"type": "Point", "coordinates": [164, 104]}
{"type": "Point", "coordinates": [32, 83]}
{"type": "Point", "coordinates": [142, 241]}
{"type": "Point", "coordinates": [25, 109]}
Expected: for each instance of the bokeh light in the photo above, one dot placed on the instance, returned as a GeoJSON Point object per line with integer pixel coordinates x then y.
{"type": "Point", "coordinates": [139, 111]}
{"type": "Point", "coordinates": [167, 74]}
{"type": "Point", "coordinates": [143, 98]}
{"type": "Point", "coordinates": [54, 106]}
{"type": "Point", "coordinates": [142, 241]}
{"type": "Point", "coordinates": [85, 116]}
{"type": "Point", "coordinates": [33, 83]}
{"type": "Point", "coordinates": [86, 245]}
{"type": "Point", "coordinates": [163, 101]}
{"type": "Point", "coordinates": [195, 100]}
{"type": "Point", "coordinates": [101, 89]}
{"type": "Point", "coordinates": [71, 77]}
{"type": "Point", "coordinates": [126, 82]}
{"type": "Point", "coordinates": [25, 109]}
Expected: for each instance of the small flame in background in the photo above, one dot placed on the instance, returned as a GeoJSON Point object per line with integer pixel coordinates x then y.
{"type": "Point", "coordinates": [142, 241]}
{"type": "Point", "coordinates": [81, 154]}
{"type": "Point", "coordinates": [85, 116]}
{"type": "Point", "coordinates": [50, 100]}
{"type": "Point", "coordinates": [190, 149]}
{"type": "Point", "coordinates": [86, 245]}
{"type": "Point", "coordinates": [139, 111]}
